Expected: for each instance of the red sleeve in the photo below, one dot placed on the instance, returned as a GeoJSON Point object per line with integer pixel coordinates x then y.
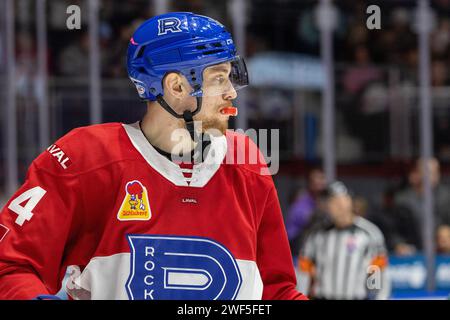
{"type": "Point", "coordinates": [35, 226]}
{"type": "Point", "coordinates": [274, 256]}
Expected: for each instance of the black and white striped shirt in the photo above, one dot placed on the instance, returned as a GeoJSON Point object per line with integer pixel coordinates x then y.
{"type": "Point", "coordinates": [341, 261]}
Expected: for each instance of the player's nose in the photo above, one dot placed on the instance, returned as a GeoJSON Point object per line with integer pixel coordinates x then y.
{"type": "Point", "coordinates": [231, 94]}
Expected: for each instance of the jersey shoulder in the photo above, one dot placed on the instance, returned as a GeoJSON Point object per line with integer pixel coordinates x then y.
{"type": "Point", "coordinates": [370, 228]}
{"type": "Point", "coordinates": [85, 148]}
{"type": "Point", "coordinates": [243, 153]}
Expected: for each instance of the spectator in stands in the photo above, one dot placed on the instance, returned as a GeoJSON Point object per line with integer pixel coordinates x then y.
{"type": "Point", "coordinates": [367, 109]}
{"type": "Point", "coordinates": [360, 206]}
{"type": "Point", "coordinates": [114, 66]}
{"type": "Point", "coordinates": [439, 73]}
{"type": "Point", "coordinates": [440, 38]}
{"type": "Point", "coordinates": [300, 212]}
{"type": "Point", "coordinates": [25, 63]}
{"type": "Point", "coordinates": [401, 232]}
{"type": "Point", "coordinates": [443, 240]}
{"type": "Point", "coordinates": [73, 59]}
{"type": "Point", "coordinates": [363, 71]}
{"type": "Point", "coordinates": [408, 207]}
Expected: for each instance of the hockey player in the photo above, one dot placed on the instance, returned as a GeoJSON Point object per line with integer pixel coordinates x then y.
{"type": "Point", "coordinates": [151, 210]}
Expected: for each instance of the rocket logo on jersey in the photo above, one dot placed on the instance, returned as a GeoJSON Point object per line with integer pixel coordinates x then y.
{"type": "Point", "coordinates": [181, 268]}
{"type": "Point", "coordinates": [135, 205]}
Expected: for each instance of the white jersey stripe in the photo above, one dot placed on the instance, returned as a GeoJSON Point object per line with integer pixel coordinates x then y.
{"type": "Point", "coordinates": [95, 280]}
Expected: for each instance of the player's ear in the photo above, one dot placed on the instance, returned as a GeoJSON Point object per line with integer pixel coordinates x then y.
{"type": "Point", "coordinates": [176, 85]}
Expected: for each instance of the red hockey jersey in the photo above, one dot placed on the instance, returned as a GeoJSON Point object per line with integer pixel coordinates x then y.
{"type": "Point", "coordinates": [131, 224]}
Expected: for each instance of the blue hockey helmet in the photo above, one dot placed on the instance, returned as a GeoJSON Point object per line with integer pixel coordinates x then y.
{"type": "Point", "coordinates": [181, 42]}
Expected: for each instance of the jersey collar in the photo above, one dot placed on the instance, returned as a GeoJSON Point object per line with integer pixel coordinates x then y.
{"type": "Point", "coordinates": [202, 172]}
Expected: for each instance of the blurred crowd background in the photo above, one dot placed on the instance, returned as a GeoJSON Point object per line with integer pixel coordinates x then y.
{"type": "Point", "coordinates": [376, 100]}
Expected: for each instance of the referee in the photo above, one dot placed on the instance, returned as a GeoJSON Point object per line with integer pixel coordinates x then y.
{"type": "Point", "coordinates": [344, 257]}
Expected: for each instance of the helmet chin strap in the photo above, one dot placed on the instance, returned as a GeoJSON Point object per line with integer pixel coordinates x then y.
{"type": "Point", "coordinates": [187, 116]}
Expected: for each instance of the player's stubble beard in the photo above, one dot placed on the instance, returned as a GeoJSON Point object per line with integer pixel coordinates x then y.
{"type": "Point", "coordinates": [208, 123]}
{"type": "Point", "coordinates": [213, 123]}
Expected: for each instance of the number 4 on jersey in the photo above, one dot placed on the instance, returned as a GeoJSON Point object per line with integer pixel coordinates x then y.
{"type": "Point", "coordinates": [24, 213]}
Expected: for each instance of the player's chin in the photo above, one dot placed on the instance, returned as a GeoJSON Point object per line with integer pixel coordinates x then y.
{"type": "Point", "coordinates": [216, 127]}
